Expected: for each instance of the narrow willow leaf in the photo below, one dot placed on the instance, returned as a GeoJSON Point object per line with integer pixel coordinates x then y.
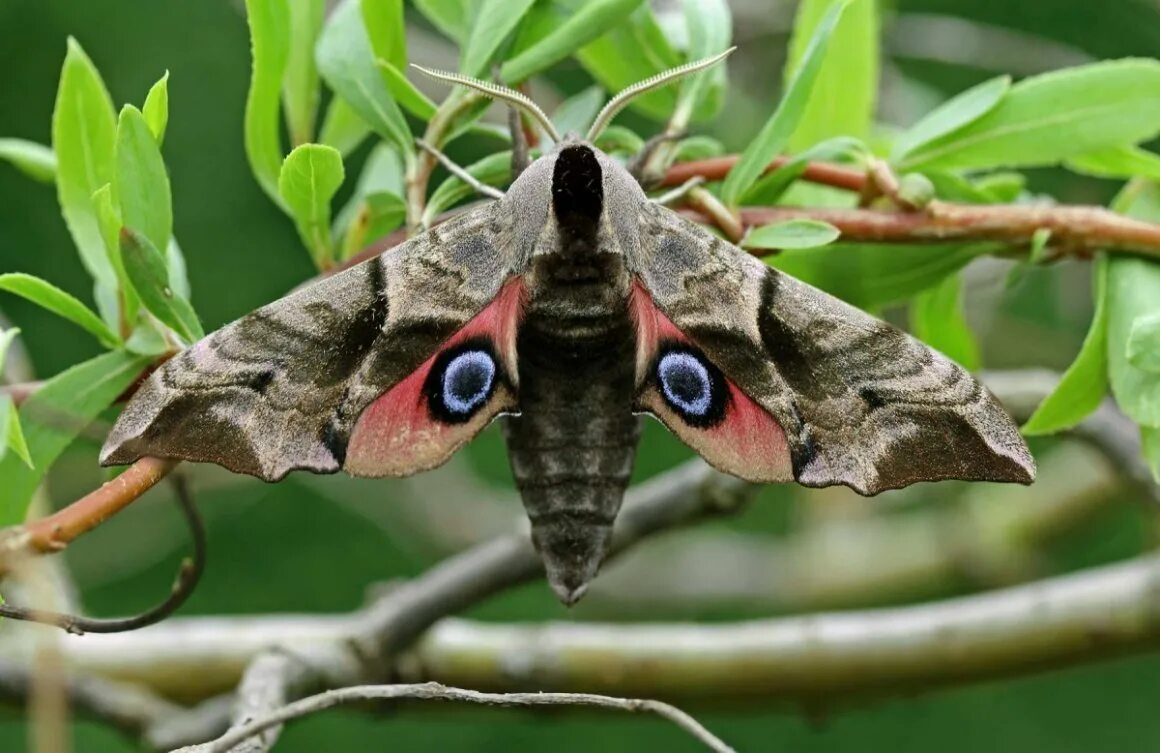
{"type": "Point", "coordinates": [34, 160]}
{"type": "Point", "coordinates": [311, 175]}
{"type": "Point", "coordinates": [494, 170]}
{"type": "Point", "coordinates": [576, 113]}
{"type": "Point", "coordinates": [178, 272]}
{"type": "Point", "coordinates": [792, 234]}
{"type": "Point", "coordinates": [381, 173]}
{"type": "Point", "coordinates": [300, 90]}
{"type": "Point", "coordinates": [347, 64]}
{"type": "Point", "coordinates": [495, 20]}
{"type": "Point", "coordinates": [377, 215]}
{"type": "Point", "coordinates": [1150, 444]}
{"type": "Point", "coordinates": [448, 16]}
{"type": "Point", "coordinates": [270, 49]}
{"type": "Point", "coordinates": [7, 337]}
{"type": "Point", "coordinates": [775, 133]}
{"type": "Point", "coordinates": [342, 128]}
{"type": "Point", "coordinates": [937, 318]}
{"type": "Point", "coordinates": [697, 148]}
{"type": "Point", "coordinates": [141, 182]}
{"type": "Point", "coordinates": [710, 30]}
{"type": "Point", "coordinates": [149, 274]}
{"type": "Point", "coordinates": [957, 112]}
{"type": "Point", "coordinates": [874, 275]}
{"type": "Point", "coordinates": [63, 407]}
{"type": "Point", "coordinates": [841, 100]}
{"type": "Point", "coordinates": [383, 20]}
{"type": "Point", "coordinates": [619, 139]}
{"type": "Point", "coordinates": [1122, 162]}
{"type": "Point", "coordinates": [1144, 343]}
{"type": "Point", "coordinates": [407, 94]}
{"type": "Point", "coordinates": [13, 435]}
{"type": "Point", "coordinates": [590, 21]}
{"type": "Point", "coordinates": [109, 219]}
{"type": "Point", "coordinates": [48, 296]}
{"type": "Point", "coordinates": [1049, 118]}
{"type": "Point", "coordinates": [633, 50]}
{"type": "Point", "coordinates": [770, 188]}
{"type": "Point", "coordinates": [84, 130]}
{"type": "Point", "coordinates": [1133, 295]}
{"type": "Point", "coordinates": [156, 108]}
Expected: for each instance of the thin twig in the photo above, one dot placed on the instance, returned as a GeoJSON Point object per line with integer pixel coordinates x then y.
{"type": "Point", "coordinates": [716, 168]}
{"type": "Point", "coordinates": [459, 172]}
{"type": "Point", "coordinates": [433, 691]}
{"type": "Point", "coordinates": [187, 580]}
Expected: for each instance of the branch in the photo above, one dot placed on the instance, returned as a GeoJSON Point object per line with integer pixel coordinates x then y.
{"type": "Point", "coordinates": [1075, 230]}
{"type": "Point", "coordinates": [717, 168]}
{"type": "Point", "coordinates": [434, 691]}
{"type": "Point", "coordinates": [55, 532]}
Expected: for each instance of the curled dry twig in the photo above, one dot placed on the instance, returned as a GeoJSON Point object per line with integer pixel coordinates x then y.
{"type": "Point", "coordinates": [187, 579]}
{"type": "Point", "coordinates": [434, 691]}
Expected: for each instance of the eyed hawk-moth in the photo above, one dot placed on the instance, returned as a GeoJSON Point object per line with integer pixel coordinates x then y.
{"type": "Point", "coordinates": [571, 305]}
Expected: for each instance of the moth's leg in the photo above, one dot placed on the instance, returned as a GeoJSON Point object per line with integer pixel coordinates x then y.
{"type": "Point", "coordinates": [520, 158]}
{"type": "Point", "coordinates": [639, 168]}
{"type": "Point", "coordinates": [459, 172]}
{"type": "Point", "coordinates": [678, 193]}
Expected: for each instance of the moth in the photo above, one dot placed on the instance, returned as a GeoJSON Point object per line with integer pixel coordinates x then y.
{"type": "Point", "coordinates": [571, 305]}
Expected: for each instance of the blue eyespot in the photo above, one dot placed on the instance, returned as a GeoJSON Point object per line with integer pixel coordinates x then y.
{"type": "Point", "coordinates": [692, 386]}
{"type": "Point", "coordinates": [685, 382]}
{"type": "Point", "coordinates": [467, 381]}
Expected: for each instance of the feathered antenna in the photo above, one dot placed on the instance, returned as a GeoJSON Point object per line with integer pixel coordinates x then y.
{"type": "Point", "coordinates": [617, 103]}
{"type": "Point", "coordinates": [511, 96]}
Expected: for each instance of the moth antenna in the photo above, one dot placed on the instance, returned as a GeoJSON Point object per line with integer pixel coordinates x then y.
{"type": "Point", "coordinates": [618, 103]}
{"type": "Point", "coordinates": [495, 91]}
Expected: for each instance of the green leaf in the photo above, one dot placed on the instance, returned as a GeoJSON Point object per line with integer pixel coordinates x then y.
{"type": "Point", "coordinates": [141, 183]}
{"type": "Point", "coordinates": [495, 20]}
{"type": "Point", "coordinates": [494, 170]}
{"type": "Point", "coordinates": [407, 94]}
{"type": "Point", "coordinates": [156, 108]}
{"type": "Point", "coordinates": [589, 21]}
{"type": "Point", "coordinates": [55, 415]}
{"type": "Point", "coordinates": [709, 24]}
{"type": "Point", "coordinates": [34, 160]}
{"type": "Point", "coordinates": [347, 64]}
{"type": "Point", "coordinates": [83, 137]}
{"type": "Point", "coordinates": [381, 173]}
{"type": "Point", "coordinates": [311, 175]}
{"type": "Point", "coordinates": [619, 139]}
{"type": "Point", "coordinates": [1117, 162]}
{"type": "Point", "coordinates": [1055, 116]}
{"type": "Point", "coordinates": [781, 125]}
{"type": "Point", "coordinates": [792, 234]}
{"type": "Point", "coordinates": [448, 16]}
{"type": "Point", "coordinates": [52, 298]}
{"type": "Point", "coordinates": [697, 148]}
{"type": "Point", "coordinates": [300, 90]}
{"type": "Point", "coordinates": [874, 275]}
{"type": "Point", "coordinates": [957, 112]}
{"type": "Point", "coordinates": [378, 214]}
{"type": "Point", "coordinates": [1133, 296]}
{"type": "Point", "coordinates": [770, 188]}
{"type": "Point", "coordinates": [383, 20]}
{"type": "Point", "coordinates": [149, 274]}
{"type": "Point", "coordinates": [576, 113]}
{"type": "Point", "coordinates": [1144, 342]}
{"type": "Point", "coordinates": [1150, 444]}
{"type": "Point", "coordinates": [841, 100]}
{"type": "Point", "coordinates": [13, 434]}
{"type": "Point", "coordinates": [7, 337]}
{"type": "Point", "coordinates": [631, 51]}
{"type": "Point", "coordinates": [937, 318]}
{"type": "Point", "coordinates": [342, 128]}
{"type": "Point", "coordinates": [109, 219]}
{"type": "Point", "coordinates": [270, 48]}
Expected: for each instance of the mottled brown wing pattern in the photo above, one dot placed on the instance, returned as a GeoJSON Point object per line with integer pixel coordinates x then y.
{"type": "Point", "coordinates": [861, 403]}
{"type": "Point", "coordinates": [281, 388]}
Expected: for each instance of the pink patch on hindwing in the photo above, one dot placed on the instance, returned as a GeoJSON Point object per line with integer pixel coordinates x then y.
{"type": "Point", "coordinates": [400, 434]}
{"type": "Point", "coordinates": [742, 438]}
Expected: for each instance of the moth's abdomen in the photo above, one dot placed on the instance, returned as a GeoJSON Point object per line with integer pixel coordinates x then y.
{"type": "Point", "coordinates": [572, 447]}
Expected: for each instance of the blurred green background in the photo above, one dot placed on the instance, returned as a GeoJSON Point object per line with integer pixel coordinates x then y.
{"type": "Point", "coordinates": [315, 544]}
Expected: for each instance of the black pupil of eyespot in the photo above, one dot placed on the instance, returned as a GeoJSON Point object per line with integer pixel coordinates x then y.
{"type": "Point", "coordinates": [467, 381]}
